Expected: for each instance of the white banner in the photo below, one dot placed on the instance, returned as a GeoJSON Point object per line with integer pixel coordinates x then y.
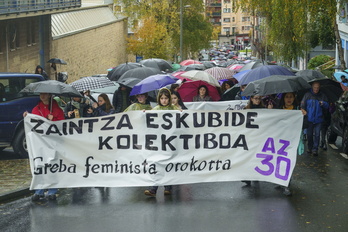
{"type": "Point", "coordinates": [218, 105]}
{"type": "Point", "coordinates": [163, 148]}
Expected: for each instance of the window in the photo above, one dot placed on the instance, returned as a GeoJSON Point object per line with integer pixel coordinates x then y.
{"type": "Point", "coordinates": [233, 19]}
{"type": "Point", "coordinates": [245, 19]}
{"type": "Point", "coordinates": [227, 19]}
{"type": "Point", "coordinates": [226, 29]}
{"type": "Point", "coordinates": [246, 28]}
{"type": "Point", "coordinates": [227, 1]}
{"type": "Point", "coordinates": [13, 36]}
{"type": "Point", "coordinates": [31, 32]}
{"type": "Point", "coordinates": [227, 10]}
{"type": "Point", "coordinates": [2, 38]}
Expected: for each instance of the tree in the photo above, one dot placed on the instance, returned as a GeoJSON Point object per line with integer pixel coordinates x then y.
{"type": "Point", "coordinates": [151, 40]}
{"type": "Point", "coordinates": [165, 17]}
{"type": "Point", "coordinates": [293, 27]}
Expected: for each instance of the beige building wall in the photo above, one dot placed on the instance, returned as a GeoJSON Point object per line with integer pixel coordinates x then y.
{"type": "Point", "coordinates": [23, 55]}
{"type": "Point", "coordinates": [239, 20]}
{"type": "Point", "coordinates": [93, 51]}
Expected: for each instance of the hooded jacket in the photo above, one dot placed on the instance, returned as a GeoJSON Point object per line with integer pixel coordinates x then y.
{"type": "Point", "coordinates": [310, 103]}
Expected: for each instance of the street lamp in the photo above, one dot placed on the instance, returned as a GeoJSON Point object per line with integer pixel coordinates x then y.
{"type": "Point", "coordinates": [181, 30]}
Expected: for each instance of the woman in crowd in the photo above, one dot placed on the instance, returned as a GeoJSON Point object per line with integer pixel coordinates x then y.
{"type": "Point", "coordinates": [203, 94]}
{"type": "Point", "coordinates": [49, 109]}
{"type": "Point", "coordinates": [255, 102]}
{"type": "Point", "coordinates": [103, 107]}
{"type": "Point", "coordinates": [140, 104]}
{"type": "Point", "coordinates": [177, 101]}
{"type": "Point", "coordinates": [226, 85]}
{"type": "Point", "coordinates": [77, 107]}
{"type": "Point", "coordinates": [288, 101]}
{"type": "Point", "coordinates": [41, 71]}
{"type": "Point", "coordinates": [164, 103]}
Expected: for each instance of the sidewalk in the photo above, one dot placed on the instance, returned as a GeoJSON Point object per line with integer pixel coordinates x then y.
{"type": "Point", "coordinates": [15, 178]}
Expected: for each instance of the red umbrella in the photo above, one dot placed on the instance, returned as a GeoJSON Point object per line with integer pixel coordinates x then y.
{"type": "Point", "coordinates": [189, 89]}
{"type": "Point", "coordinates": [188, 62]}
{"type": "Point", "coordinates": [178, 75]}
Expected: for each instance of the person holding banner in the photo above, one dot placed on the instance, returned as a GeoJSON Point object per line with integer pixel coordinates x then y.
{"type": "Point", "coordinates": [49, 109]}
{"type": "Point", "coordinates": [103, 107]}
{"type": "Point", "coordinates": [177, 101]}
{"type": "Point", "coordinates": [255, 102]}
{"type": "Point", "coordinates": [288, 101]}
{"type": "Point", "coordinates": [77, 108]}
{"type": "Point", "coordinates": [140, 104]}
{"type": "Point", "coordinates": [203, 94]}
{"type": "Point", "coordinates": [164, 103]}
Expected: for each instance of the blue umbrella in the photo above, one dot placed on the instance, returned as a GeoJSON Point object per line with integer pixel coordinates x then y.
{"type": "Point", "coordinates": [264, 71]}
{"type": "Point", "coordinates": [152, 83]}
{"type": "Point", "coordinates": [338, 75]}
{"type": "Point", "coordinates": [241, 74]}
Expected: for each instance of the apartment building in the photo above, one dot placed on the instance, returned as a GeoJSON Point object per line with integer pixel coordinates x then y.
{"type": "Point", "coordinates": [236, 26]}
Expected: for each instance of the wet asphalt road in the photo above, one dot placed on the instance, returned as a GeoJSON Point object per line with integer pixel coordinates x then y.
{"type": "Point", "coordinates": [319, 203]}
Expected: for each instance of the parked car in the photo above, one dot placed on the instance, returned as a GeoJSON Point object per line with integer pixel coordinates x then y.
{"type": "Point", "coordinates": [339, 122]}
{"type": "Point", "coordinates": [12, 106]}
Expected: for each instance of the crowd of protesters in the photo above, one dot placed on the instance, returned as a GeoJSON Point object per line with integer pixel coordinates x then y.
{"type": "Point", "coordinates": [314, 106]}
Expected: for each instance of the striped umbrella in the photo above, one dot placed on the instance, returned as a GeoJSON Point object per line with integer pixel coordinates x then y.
{"type": "Point", "coordinates": [220, 73]}
{"type": "Point", "coordinates": [235, 67]}
{"type": "Point", "coordinates": [89, 83]}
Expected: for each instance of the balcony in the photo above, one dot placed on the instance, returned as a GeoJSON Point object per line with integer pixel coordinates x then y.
{"type": "Point", "coordinates": [25, 6]}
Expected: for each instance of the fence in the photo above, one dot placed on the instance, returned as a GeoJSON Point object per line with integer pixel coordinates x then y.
{"type": "Point", "coordinates": [20, 6]}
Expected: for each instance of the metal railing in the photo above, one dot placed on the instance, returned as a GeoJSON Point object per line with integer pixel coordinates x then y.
{"type": "Point", "coordinates": [22, 6]}
{"type": "Point", "coordinates": [327, 65]}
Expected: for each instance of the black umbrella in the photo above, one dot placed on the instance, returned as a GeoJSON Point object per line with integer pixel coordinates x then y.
{"type": "Point", "coordinates": [160, 64]}
{"type": "Point", "coordinates": [230, 94]}
{"type": "Point", "coordinates": [275, 84]}
{"type": "Point", "coordinates": [56, 61]}
{"type": "Point", "coordinates": [129, 82]}
{"type": "Point", "coordinates": [331, 88]}
{"type": "Point", "coordinates": [310, 74]}
{"type": "Point", "coordinates": [53, 87]}
{"type": "Point", "coordinates": [192, 67]}
{"type": "Point", "coordinates": [118, 71]}
{"type": "Point", "coordinates": [140, 73]}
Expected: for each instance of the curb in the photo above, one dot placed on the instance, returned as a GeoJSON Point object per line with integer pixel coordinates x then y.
{"type": "Point", "coordinates": [14, 194]}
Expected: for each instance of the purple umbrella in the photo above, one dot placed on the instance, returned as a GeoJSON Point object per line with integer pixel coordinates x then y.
{"type": "Point", "coordinates": [152, 83]}
{"type": "Point", "coordinates": [264, 71]}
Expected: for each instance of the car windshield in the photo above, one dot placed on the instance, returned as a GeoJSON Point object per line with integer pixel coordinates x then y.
{"type": "Point", "coordinates": [11, 86]}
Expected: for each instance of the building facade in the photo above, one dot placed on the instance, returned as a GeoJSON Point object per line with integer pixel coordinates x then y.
{"type": "Point", "coordinates": [90, 39]}
{"type": "Point", "coordinates": [342, 21]}
{"type": "Point", "coordinates": [236, 26]}
{"type": "Point", "coordinates": [25, 32]}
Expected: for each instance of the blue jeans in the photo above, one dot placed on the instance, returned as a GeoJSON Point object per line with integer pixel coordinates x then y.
{"type": "Point", "coordinates": [41, 192]}
{"type": "Point", "coordinates": [313, 136]}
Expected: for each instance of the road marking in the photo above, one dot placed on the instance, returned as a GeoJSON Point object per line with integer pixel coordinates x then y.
{"type": "Point", "coordinates": [344, 155]}
{"type": "Point", "coordinates": [333, 146]}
